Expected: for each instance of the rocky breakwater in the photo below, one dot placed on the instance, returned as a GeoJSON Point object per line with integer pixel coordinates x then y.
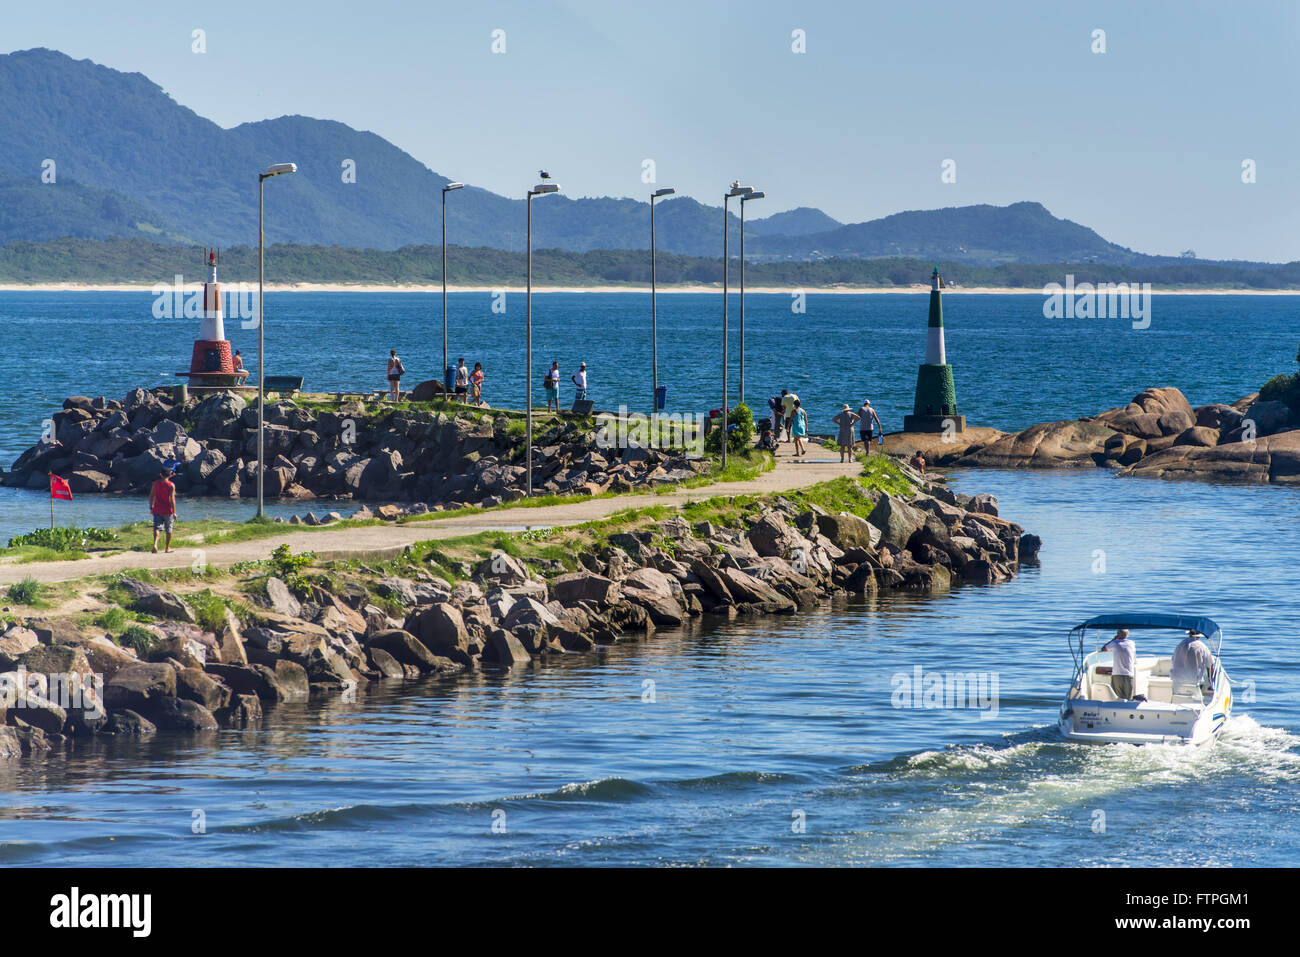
{"type": "Point", "coordinates": [335, 632]}
{"type": "Point", "coordinates": [1158, 434]}
{"type": "Point", "coordinates": [355, 451]}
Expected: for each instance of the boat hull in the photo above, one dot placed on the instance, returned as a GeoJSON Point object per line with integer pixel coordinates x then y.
{"type": "Point", "coordinates": [1141, 722]}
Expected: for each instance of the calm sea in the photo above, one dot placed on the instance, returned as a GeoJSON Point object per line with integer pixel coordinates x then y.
{"type": "Point", "coordinates": [770, 742]}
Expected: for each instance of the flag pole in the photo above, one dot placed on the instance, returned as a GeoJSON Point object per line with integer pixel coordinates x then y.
{"type": "Point", "coordinates": [51, 501]}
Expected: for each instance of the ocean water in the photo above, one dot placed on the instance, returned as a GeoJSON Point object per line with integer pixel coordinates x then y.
{"type": "Point", "coordinates": [1013, 366]}
{"type": "Point", "coordinates": [762, 742]}
{"type": "Point", "coordinates": [713, 744]}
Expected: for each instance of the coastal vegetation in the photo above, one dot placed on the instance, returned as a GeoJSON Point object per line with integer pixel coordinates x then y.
{"type": "Point", "coordinates": [142, 262]}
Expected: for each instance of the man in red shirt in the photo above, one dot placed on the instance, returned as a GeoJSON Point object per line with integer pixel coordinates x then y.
{"type": "Point", "coordinates": [162, 503]}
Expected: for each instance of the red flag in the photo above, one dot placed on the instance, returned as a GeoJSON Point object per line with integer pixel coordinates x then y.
{"type": "Point", "coordinates": [59, 488]}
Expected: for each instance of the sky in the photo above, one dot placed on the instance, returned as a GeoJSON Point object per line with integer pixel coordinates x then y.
{"type": "Point", "coordinates": [1144, 142]}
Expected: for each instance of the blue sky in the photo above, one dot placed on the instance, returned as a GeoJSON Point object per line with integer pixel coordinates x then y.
{"type": "Point", "coordinates": [1144, 143]}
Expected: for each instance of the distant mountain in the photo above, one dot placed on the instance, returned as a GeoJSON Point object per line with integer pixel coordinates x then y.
{"type": "Point", "coordinates": [803, 221]}
{"type": "Point", "coordinates": [1021, 232]}
{"type": "Point", "coordinates": [130, 162]}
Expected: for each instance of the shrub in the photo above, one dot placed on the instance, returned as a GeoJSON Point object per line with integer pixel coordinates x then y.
{"type": "Point", "coordinates": [740, 430]}
{"type": "Point", "coordinates": [139, 638]}
{"type": "Point", "coordinates": [210, 609]}
{"type": "Point", "coordinates": [62, 539]}
{"type": "Point", "coordinates": [25, 592]}
{"type": "Point", "coordinates": [112, 619]}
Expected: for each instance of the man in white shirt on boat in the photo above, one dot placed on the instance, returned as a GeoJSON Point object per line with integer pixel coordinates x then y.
{"type": "Point", "coordinates": [1123, 664]}
{"type": "Point", "coordinates": [1192, 668]}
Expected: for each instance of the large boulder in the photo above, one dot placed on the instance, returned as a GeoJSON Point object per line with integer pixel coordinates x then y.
{"type": "Point", "coordinates": [1273, 458]}
{"type": "Point", "coordinates": [1048, 445]}
{"type": "Point", "coordinates": [441, 629]}
{"type": "Point", "coordinates": [182, 714]}
{"type": "Point", "coordinates": [157, 601]}
{"type": "Point", "coordinates": [140, 687]}
{"type": "Point", "coordinates": [846, 530]}
{"type": "Point", "coordinates": [896, 519]}
{"type": "Point", "coordinates": [409, 650]}
{"type": "Point", "coordinates": [1152, 414]}
{"type": "Point", "coordinates": [1269, 416]}
{"type": "Point", "coordinates": [584, 586]}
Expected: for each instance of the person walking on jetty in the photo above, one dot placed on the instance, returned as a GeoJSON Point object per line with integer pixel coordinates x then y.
{"type": "Point", "coordinates": [797, 423]}
{"type": "Point", "coordinates": [774, 404]}
{"type": "Point", "coordinates": [845, 419]}
{"type": "Point", "coordinates": [788, 402]}
{"type": "Point", "coordinates": [476, 384]}
{"type": "Point", "coordinates": [162, 505]}
{"type": "Point", "coordinates": [462, 381]}
{"type": "Point", "coordinates": [868, 425]}
{"type": "Point", "coordinates": [395, 372]}
{"type": "Point", "coordinates": [580, 383]}
{"type": "Point", "coordinates": [552, 383]}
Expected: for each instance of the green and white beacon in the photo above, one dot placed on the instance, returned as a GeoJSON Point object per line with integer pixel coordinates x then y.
{"type": "Point", "coordinates": [935, 406]}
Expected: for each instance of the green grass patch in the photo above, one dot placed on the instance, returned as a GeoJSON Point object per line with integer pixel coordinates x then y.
{"type": "Point", "coordinates": [27, 592]}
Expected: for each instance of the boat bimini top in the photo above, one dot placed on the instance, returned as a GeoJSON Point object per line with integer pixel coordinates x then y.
{"type": "Point", "coordinates": [1206, 626]}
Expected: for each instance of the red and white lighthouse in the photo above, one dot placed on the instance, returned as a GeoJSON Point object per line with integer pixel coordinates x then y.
{"type": "Point", "coordinates": [212, 362]}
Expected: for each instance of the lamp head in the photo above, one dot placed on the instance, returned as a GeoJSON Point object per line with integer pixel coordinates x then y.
{"type": "Point", "coordinates": [279, 168]}
{"type": "Point", "coordinates": [667, 191]}
{"type": "Point", "coordinates": [755, 195]}
{"type": "Point", "coordinates": [541, 188]}
{"type": "Point", "coordinates": [450, 186]}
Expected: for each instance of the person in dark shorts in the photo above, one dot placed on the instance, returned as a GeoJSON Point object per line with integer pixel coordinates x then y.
{"type": "Point", "coordinates": [162, 504]}
{"type": "Point", "coordinates": [868, 425]}
{"type": "Point", "coordinates": [395, 372]}
{"type": "Point", "coordinates": [462, 381]}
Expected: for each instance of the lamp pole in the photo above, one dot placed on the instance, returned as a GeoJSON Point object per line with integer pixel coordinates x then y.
{"type": "Point", "coordinates": [445, 190]}
{"type": "Point", "coordinates": [654, 308]}
{"type": "Point", "coordinates": [743, 200]}
{"type": "Point", "coordinates": [736, 190]}
{"type": "Point", "coordinates": [538, 190]}
{"type": "Point", "coordinates": [275, 170]}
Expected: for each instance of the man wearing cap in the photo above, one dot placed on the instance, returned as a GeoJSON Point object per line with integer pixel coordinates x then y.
{"type": "Point", "coordinates": [868, 424]}
{"type": "Point", "coordinates": [1192, 668]}
{"type": "Point", "coordinates": [1123, 662]}
{"type": "Point", "coordinates": [580, 382]}
{"type": "Point", "coordinates": [162, 503]}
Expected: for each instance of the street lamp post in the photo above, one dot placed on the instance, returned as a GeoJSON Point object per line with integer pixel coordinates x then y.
{"type": "Point", "coordinates": [539, 190]}
{"type": "Point", "coordinates": [736, 190]}
{"type": "Point", "coordinates": [743, 200]}
{"type": "Point", "coordinates": [275, 170]}
{"type": "Point", "coordinates": [445, 190]}
{"type": "Point", "coordinates": [654, 309]}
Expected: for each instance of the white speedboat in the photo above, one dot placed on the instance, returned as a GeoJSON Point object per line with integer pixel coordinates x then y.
{"type": "Point", "coordinates": [1158, 712]}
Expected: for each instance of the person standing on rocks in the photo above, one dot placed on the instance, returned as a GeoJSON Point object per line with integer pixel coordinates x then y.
{"type": "Point", "coordinates": [580, 382]}
{"type": "Point", "coordinates": [395, 372]}
{"type": "Point", "coordinates": [552, 383]}
{"type": "Point", "coordinates": [162, 505]}
{"type": "Point", "coordinates": [476, 384]}
{"type": "Point", "coordinates": [462, 381]}
{"type": "Point", "coordinates": [868, 425]}
{"type": "Point", "coordinates": [797, 424]}
{"type": "Point", "coordinates": [845, 419]}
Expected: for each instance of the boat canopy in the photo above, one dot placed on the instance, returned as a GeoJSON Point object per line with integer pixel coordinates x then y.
{"type": "Point", "coordinates": [1205, 626]}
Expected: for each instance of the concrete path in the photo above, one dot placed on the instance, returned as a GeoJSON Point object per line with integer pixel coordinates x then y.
{"type": "Point", "coordinates": [387, 541]}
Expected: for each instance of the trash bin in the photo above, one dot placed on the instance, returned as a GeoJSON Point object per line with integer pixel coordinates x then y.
{"type": "Point", "coordinates": [449, 380]}
{"type": "Point", "coordinates": [661, 398]}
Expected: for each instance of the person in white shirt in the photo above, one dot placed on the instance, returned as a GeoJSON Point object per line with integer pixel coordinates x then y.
{"type": "Point", "coordinates": [462, 381]}
{"type": "Point", "coordinates": [553, 388]}
{"type": "Point", "coordinates": [580, 382]}
{"type": "Point", "coordinates": [1123, 661]}
{"type": "Point", "coordinates": [1192, 668]}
